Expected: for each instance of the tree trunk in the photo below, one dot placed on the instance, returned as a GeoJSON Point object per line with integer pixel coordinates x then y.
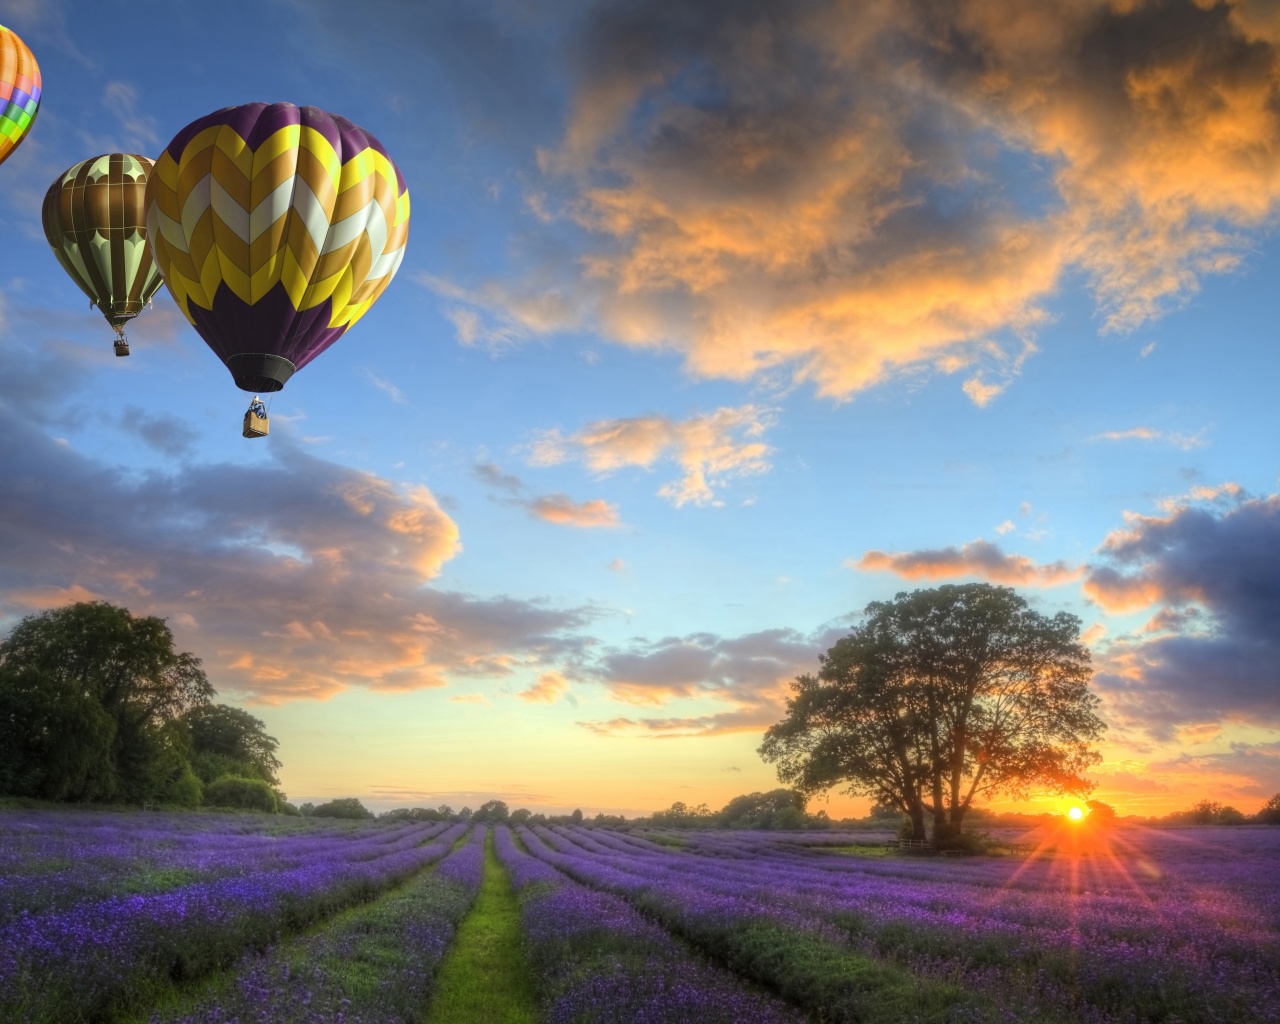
{"type": "Point", "coordinates": [917, 822]}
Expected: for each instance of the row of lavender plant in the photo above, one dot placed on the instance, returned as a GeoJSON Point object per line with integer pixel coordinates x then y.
{"type": "Point", "coordinates": [599, 961]}
{"type": "Point", "coordinates": [93, 961]}
{"type": "Point", "coordinates": [54, 861]}
{"type": "Point", "coordinates": [803, 958]}
{"type": "Point", "coordinates": [1098, 937]}
{"type": "Point", "coordinates": [376, 965]}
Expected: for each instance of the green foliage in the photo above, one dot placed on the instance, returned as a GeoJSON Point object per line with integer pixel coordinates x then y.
{"type": "Point", "coordinates": [939, 697]}
{"type": "Point", "coordinates": [186, 790]}
{"type": "Point", "coordinates": [346, 807]}
{"type": "Point", "coordinates": [243, 794]}
{"type": "Point", "coordinates": [229, 741]}
{"type": "Point", "coordinates": [56, 741]}
{"type": "Point", "coordinates": [88, 695]}
{"type": "Point", "coordinates": [1270, 812]}
{"type": "Point", "coordinates": [777, 809]}
{"type": "Point", "coordinates": [493, 810]}
{"type": "Point", "coordinates": [681, 815]}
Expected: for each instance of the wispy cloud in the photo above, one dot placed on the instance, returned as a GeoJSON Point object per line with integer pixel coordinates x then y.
{"type": "Point", "coordinates": [563, 511]}
{"type": "Point", "coordinates": [549, 688]}
{"type": "Point", "coordinates": [1184, 441]}
{"type": "Point", "coordinates": [978, 558]}
{"type": "Point", "coordinates": [709, 448]}
{"type": "Point", "coordinates": [385, 386]}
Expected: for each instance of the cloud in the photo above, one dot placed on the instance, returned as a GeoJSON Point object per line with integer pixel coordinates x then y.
{"type": "Point", "coordinates": [563, 511]}
{"type": "Point", "coordinates": [291, 577]}
{"type": "Point", "coordinates": [1184, 441]}
{"type": "Point", "coordinates": [978, 558]}
{"type": "Point", "coordinates": [846, 192]}
{"type": "Point", "coordinates": [493, 475]}
{"type": "Point", "coordinates": [1211, 654]}
{"type": "Point", "coordinates": [549, 688]}
{"type": "Point", "coordinates": [709, 448]}
{"type": "Point", "coordinates": [161, 432]}
{"type": "Point", "coordinates": [385, 386]}
{"type": "Point", "coordinates": [556, 508]}
{"type": "Point", "coordinates": [121, 99]}
{"type": "Point", "coordinates": [748, 676]}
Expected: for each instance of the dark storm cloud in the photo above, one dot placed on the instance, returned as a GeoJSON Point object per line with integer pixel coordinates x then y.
{"type": "Point", "coordinates": [1220, 664]}
{"type": "Point", "coordinates": [293, 578]}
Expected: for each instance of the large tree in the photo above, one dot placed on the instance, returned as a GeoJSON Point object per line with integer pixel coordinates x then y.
{"type": "Point", "coordinates": [939, 697]}
{"type": "Point", "coordinates": [93, 670]}
{"type": "Point", "coordinates": [230, 741]}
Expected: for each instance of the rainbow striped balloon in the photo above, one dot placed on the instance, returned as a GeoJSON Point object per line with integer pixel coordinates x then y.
{"type": "Point", "coordinates": [275, 228]}
{"type": "Point", "coordinates": [19, 91]}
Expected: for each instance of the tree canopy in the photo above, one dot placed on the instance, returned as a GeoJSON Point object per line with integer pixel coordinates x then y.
{"type": "Point", "coordinates": [90, 698]}
{"type": "Point", "coordinates": [96, 704]}
{"type": "Point", "coordinates": [940, 697]}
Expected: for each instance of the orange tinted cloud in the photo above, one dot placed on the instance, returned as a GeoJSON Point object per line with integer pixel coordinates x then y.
{"type": "Point", "coordinates": [549, 688]}
{"type": "Point", "coordinates": [561, 510]}
{"type": "Point", "coordinates": [709, 448]}
{"type": "Point", "coordinates": [880, 186]}
{"type": "Point", "coordinates": [978, 558]}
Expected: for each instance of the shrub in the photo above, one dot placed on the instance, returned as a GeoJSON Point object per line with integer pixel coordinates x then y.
{"type": "Point", "coordinates": [248, 794]}
{"type": "Point", "coordinates": [186, 790]}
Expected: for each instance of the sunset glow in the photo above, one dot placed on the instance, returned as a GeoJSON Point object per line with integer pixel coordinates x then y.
{"type": "Point", "coordinates": [715, 324]}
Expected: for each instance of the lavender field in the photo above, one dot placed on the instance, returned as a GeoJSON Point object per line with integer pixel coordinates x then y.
{"type": "Point", "coordinates": [227, 919]}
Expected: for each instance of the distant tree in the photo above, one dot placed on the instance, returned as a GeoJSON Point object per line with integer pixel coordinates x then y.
{"type": "Point", "coordinates": [681, 815]}
{"type": "Point", "coordinates": [465, 814]}
{"type": "Point", "coordinates": [492, 810]}
{"type": "Point", "coordinates": [229, 741]}
{"type": "Point", "coordinates": [246, 794]}
{"type": "Point", "coordinates": [1270, 812]}
{"type": "Point", "coordinates": [95, 673]}
{"type": "Point", "coordinates": [1206, 812]}
{"type": "Point", "coordinates": [345, 807]}
{"type": "Point", "coordinates": [445, 812]}
{"type": "Point", "coordinates": [520, 816]}
{"type": "Point", "coordinates": [940, 697]}
{"type": "Point", "coordinates": [777, 809]}
{"type": "Point", "coordinates": [576, 817]}
{"type": "Point", "coordinates": [307, 809]}
{"type": "Point", "coordinates": [1100, 813]}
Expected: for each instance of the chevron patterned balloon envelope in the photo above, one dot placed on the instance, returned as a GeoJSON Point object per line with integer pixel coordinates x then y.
{"type": "Point", "coordinates": [94, 221]}
{"type": "Point", "coordinates": [275, 228]}
{"type": "Point", "coordinates": [19, 91]}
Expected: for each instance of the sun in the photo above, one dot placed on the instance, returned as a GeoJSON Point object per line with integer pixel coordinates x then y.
{"type": "Point", "coordinates": [1075, 814]}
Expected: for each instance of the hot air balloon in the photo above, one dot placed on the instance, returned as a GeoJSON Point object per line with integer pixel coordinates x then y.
{"type": "Point", "coordinates": [19, 91]}
{"type": "Point", "coordinates": [276, 228]}
{"type": "Point", "coordinates": [94, 222]}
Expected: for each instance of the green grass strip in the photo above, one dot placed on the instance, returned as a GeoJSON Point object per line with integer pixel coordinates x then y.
{"type": "Point", "coordinates": [485, 978]}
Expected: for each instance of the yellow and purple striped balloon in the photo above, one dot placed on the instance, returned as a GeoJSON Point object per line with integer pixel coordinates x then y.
{"type": "Point", "coordinates": [275, 228]}
{"type": "Point", "coordinates": [19, 91]}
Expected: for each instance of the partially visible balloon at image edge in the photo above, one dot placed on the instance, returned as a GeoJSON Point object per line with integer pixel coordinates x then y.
{"type": "Point", "coordinates": [19, 91]}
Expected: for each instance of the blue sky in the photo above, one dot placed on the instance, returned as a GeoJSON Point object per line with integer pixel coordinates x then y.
{"type": "Point", "coordinates": [716, 323]}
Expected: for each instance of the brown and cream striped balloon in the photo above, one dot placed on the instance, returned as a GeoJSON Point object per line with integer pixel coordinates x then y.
{"type": "Point", "coordinates": [95, 222]}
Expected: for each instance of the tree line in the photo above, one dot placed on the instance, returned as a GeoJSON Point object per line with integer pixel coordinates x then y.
{"type": "Point", "coordinates": [96, 706]}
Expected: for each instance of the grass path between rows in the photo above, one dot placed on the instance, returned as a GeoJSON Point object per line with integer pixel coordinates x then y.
{"type": "Point", "coordinates": [484, 978]}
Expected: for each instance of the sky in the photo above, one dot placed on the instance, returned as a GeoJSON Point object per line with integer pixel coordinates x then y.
{"type": "Point", "coordinates": [717, 322]}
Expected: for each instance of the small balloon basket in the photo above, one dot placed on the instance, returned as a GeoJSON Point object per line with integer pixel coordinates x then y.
{"type": "Point", "coordinates": [256, 425]}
